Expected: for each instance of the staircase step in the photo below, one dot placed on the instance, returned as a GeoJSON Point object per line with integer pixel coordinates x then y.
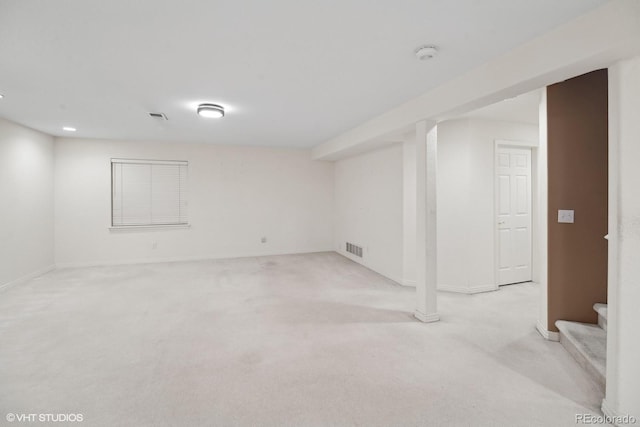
{"type": "Point", "coordinates": [601, 309]}
{"type": "Point", "coordinates": [587, 343]}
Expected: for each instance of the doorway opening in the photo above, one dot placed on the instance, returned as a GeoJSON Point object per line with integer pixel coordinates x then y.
{"type": "Point", "coordinates": [488, 196]}
{"type": "Point", "coordinates": [527, 204]}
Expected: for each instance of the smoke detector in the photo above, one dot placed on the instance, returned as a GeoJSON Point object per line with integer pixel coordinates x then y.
{"type": "Point", "coordinates": [426, 52]}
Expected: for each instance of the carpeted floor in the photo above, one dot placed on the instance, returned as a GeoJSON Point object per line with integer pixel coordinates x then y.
{"type": "Point", "coordinates": [297, 340]}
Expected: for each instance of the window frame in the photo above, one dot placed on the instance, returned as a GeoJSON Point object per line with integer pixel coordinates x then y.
{"type": "Point", "coordinates": [134, 227]}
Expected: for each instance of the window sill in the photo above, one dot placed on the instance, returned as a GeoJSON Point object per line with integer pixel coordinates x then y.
{"type": "Point", "coordinates": [133, 228]}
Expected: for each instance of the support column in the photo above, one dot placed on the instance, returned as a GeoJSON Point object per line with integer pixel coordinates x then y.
{"type": "Point", "coordinates": [426, 224]}
{"type": "Point", "coordinates": [409, 211]}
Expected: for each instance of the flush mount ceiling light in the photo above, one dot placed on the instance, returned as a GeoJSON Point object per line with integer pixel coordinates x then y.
{"type": "Point", "coordinates": [1, 96]}
{"type": "Point", "coordinates": [426, 52]}
{"type": "Point", "coordinates": [213, 111]}
{"type": "Point", "coordinates": [69, 129]}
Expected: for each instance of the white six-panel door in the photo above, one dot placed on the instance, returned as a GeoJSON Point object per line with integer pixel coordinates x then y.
{"type": "Point", "coordinates": [513, 208]}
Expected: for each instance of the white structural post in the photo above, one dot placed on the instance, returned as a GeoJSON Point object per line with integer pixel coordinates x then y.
{"type": "Point", "coordinates": [426, 224]}
{"type": "Point", "coordinates": [409, 211]}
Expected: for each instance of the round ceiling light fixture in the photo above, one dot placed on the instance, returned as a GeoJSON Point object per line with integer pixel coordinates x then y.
{"type": "Point", "coordinates": [213, 111]}
{"type": "Point", "coordinates": [426, 52]}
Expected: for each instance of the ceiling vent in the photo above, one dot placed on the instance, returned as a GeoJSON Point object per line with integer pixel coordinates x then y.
{"type": "Point", "coordinates": [159, 116]}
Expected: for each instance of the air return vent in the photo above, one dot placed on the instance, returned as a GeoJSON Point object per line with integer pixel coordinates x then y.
{"type": "Point", "coordinates": [354, 249]}
{"type": "Point", "coordinates": [159, 116]}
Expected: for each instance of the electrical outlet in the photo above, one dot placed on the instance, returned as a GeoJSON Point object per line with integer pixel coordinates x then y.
{"type": "Point", "coordinates": [565, 216]}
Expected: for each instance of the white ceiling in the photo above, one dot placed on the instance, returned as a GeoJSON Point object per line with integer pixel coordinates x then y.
{"type": "Point", "coordinates": [521, 109]}
{"type": "Point", "coordinates": [291, 72]}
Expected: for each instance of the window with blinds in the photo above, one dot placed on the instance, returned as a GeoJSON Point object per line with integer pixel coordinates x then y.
{"type": "Point", "coordinates": [148, 193]}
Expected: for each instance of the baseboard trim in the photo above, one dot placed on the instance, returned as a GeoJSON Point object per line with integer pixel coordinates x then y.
{"type": "Point", "coordinates": [28, 277]}
{"type": "Point", "coordinates": [546, 334]}
{"type": "Point", "coordinates": [608, 412]}
{"type": "Point", "coordinates": [613, 417]}
{"type": "Point", "coordinates": [469, 291]}
{"type": "Point", "coordinates": [426, 318]}
{"type": "Point", "coordinates": [66, 265]}
{"type": "Point", "coordinates": [359, 260]}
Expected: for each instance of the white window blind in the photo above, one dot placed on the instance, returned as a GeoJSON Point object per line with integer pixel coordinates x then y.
{"type": "Point", "coordinates": [148, 192]}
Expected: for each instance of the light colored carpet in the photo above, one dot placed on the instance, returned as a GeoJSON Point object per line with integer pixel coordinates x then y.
{"type": "Point", "coordinates": [297, 340]}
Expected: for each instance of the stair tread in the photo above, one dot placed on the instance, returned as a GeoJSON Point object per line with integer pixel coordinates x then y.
{"type": "Point", "coordinates": [590, 340]}
{"type": "Point", "coordinates": [601, 309]}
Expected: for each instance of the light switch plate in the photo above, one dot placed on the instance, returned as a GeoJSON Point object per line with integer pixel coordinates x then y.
{"type": "Point", "coordinates": [565, 216]}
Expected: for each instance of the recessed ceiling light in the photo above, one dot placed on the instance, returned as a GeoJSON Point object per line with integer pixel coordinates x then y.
{"type": "Point", "coordinates": [213, 111]}
{"type": "Point", "coordinates": [69, 129]}
{"type": "Point", "coordinates": [1, 96]}
{"type": "Point", "coordinates": [426, 52]}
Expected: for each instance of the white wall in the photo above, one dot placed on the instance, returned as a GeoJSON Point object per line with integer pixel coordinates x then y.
{"type": "Point", "coordinates": [237, 195]}
{"type": "Point", "coordinates": [369, 209]}
{"type": "Point", "coordinates": [466, 220]}
{"type": "Point", "coordinates": [26, 192]}
{"type": "Point", "coordinates": [623, 345]}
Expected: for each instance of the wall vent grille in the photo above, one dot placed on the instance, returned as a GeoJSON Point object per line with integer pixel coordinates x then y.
{"type": "Point", "coordinates": [354, 249]}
